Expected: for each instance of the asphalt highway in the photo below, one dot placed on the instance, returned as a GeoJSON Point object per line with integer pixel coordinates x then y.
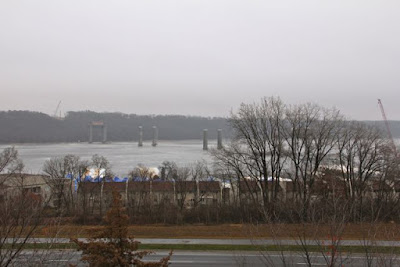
{"type": "Point", "coordinates": [381, 243]}
{"type": "Point", "coordinates": [219, 258]}
{"type": "Point", "coordinates": [204, 258]}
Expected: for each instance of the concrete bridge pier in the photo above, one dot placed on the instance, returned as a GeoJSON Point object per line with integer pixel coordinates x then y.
{"type": "Point", "coordinates": [205, 139]}
{"type": "Point", "coordinates": [219, 139]}
{"type": "Point", "coordinates": [90, 133]}
{"type": "Point", "coordinates": [97, 124]}
{"type": "Point", "coordinates": [104, 134]}
{"type": "Point", "coordinates": [140, 136]}
{"type": "Point", "coordinates": [155, 136]}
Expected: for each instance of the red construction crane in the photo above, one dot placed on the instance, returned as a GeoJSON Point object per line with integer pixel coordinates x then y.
{"type": "Point", "coordinates": [387, 126]}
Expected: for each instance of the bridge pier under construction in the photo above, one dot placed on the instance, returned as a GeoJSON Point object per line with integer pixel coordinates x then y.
{"type": "Point", "coordinates": [205, 139]}
{"type": "Point", "coordinates": [102, 126]}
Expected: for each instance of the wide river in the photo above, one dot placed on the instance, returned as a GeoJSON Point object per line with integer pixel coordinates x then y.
{"type": "Point", "coordinates": [123, 156]}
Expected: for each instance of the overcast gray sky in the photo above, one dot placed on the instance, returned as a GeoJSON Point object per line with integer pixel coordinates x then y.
{"type": "Point", "coordinates": [199, 57]}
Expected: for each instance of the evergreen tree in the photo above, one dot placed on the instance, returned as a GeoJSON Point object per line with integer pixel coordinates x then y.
{"type": "Point", "coordinates": [111, 246]}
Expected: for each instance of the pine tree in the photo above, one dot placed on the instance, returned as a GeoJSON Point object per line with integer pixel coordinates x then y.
{"type": "Point", "coordinates": [111, 246]}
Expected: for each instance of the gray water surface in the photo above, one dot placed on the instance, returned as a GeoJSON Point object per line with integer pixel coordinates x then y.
{"type": "Point", "coordinates": [123, 156]}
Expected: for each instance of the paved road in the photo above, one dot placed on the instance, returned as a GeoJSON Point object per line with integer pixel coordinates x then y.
{"type": "Point", "coordinates": [215, 258]}
{"type": "Point", "coordinates": [209, 259]}
{"type": "Point", "coordinates": [231, 241]}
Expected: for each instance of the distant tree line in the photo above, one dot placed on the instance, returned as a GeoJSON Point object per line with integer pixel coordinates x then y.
{"type": "Point", "coordinates": [35, 127]}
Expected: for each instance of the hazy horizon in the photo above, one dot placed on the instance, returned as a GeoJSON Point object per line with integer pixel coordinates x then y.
{"type": "Point", "coordinates": [199, 58]}
{"type": "Point", "coordinates": [148, 114]}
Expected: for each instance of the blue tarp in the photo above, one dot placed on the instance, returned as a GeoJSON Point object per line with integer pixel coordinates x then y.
{"type": "Point", "coordinates": [98, 179]}
{"type": "Point", "coordinates": [120, 180]}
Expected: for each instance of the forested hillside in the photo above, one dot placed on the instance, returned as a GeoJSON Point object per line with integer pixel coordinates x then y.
{"type": "Point", "coordinates": [35, 127]}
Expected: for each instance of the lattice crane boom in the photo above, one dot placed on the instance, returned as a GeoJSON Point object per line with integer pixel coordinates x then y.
{"type": "Point", "coordinates": [387, 125]}
{"type": "Point", "coordinates": [55, 112]}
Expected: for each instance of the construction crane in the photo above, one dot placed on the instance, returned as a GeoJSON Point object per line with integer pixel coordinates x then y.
{"type": "Point", "coordinates": [387, 126]}
{"type": "Point", "coordinates": [55, 112]}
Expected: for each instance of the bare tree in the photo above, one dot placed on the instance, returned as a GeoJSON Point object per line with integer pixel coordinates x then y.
{"type": "Point", "coordinates": [360, 154]}
{"type": "Point", "coordinates": [63, 188]}
{"type": "Point", "coordinates": [21, 215]}
{"type": "Point", "coordinates": [182, 187]}
{"type": "Point", "coordinates": [270, 136]}
{"type": "Point", "coordinates": [168, 170]}
{"type": "Point", "coordinates": [258, 150]}
{"type": "Point", "coordinates": [310, 133]}
{"type": "Point", "coordinates": [141, 171]}
{"type": "Point", "coordinates": [387, 201]}
{"type": "Point", "coordinates": [273, 112]}
{"type": "Point", "coordinates": [101, 162]}
{"type": "Point", "coordinates": [199, 172]}
{"type": "Point", "coordinates": [9, 163]}
{"type": "Point", "coordinates": [21, 211]}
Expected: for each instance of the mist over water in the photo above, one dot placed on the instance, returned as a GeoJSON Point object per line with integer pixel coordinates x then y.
{"type": "Point", "coordinates": [123, 156]}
